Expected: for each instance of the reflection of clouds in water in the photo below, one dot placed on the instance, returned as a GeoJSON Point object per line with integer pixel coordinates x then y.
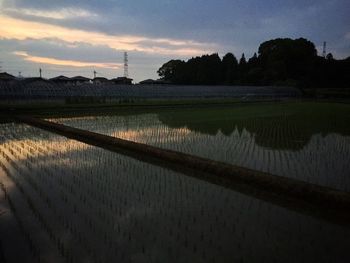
{"type": "Point", "coordinates": [153, 135]}
{"type": "Point", "coordinates": [52, 147]}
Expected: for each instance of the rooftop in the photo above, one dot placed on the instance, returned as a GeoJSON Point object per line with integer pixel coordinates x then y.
{"type": "Point", "coordinates": [6, 76]}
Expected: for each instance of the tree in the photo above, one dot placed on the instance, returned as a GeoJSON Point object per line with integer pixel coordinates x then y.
{"type": "Point", "coordinates": [242, 61]}
{"type": "Point", "coordinates": [287, 59]}
{"type": "Point", "coordinates": [209, 70]}
{"type": "Point", "coordinates": [169, 70]}
{"type": "Point", "coordinates": [329, 56]}
{"type": "Point", "coordinates": [229, 69]}
{"type": "Point", "coordinates": [281, 61]}
{"type": "Point", "coordinates": [253, 71]}
{"type": "Point", "coordinates": [253, 60]}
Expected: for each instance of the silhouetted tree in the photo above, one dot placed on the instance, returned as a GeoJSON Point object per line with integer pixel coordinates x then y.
{"type": "Point", "coordinates": [229, 69]}
{"type": "Point", "coordinates": [253, 60]}
{"type": "Point", "coordinates": [242, 70]}
{"type": "Point", "coordinates": [170, 70]}
{"type": "Point", "coordinates": [281, 61]}
{"type": "Point", "coordinates": [209, 70]}
{"type": "Point", "coordinates": [287, 59]}
{"type": "Point", "coordinates": [329, 56]}
{"type": "Point", "coordinates": [242, 61]}
{"type": "Point", "coordinates": [253, 74]}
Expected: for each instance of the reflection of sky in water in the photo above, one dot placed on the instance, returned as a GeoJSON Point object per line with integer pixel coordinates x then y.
{"type": "Point", "coordinates": [117, 209]}
{"type": "Point", "coordinates": [322, 159]}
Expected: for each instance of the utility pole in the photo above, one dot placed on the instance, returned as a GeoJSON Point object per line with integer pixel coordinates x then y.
{"type": "Point", "coordinates": [324, 52]}
{"type": "Point", "coordinates": [40, 72]}
{"type": "Point", "coordinates": [126, 66]}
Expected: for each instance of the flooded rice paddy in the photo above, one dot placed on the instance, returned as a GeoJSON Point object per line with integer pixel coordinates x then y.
{"type": "Point", "coordinates": [65, 201]}
{"type": "Point", "coordinates": [287, 140]}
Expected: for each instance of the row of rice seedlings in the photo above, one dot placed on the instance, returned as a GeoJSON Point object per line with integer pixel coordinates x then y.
{"type": "Point", "coordinates": [23, 206]}
{"type": "Point", "coordinates": [25, 235]}
{"type": "Point", "coordinates": [321, 161]}
{"type": "Point", "coordinates": [45, 207]}
{"type": "Point", "coordinates": [99, 189]}
{"type": "Point", "coordinates": [64, 194]}
{"type": "Point", "coordinates": [91, 202]}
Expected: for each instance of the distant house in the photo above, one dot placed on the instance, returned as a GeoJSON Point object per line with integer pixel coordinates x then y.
{"type": "Point", "coordinates": [4, 77]}
{"type": "Point", "coordinates": [153, 82]}
{"type": "Point", "coordinates": [100, 80]}
{"type": "Point", "coordinates": [122, 80]}
{"type": "Point", "coordinates": [35, 80]}
{"type": "Point", "coordinates": [61, 80]}
{"type": "Point", "coordinates": [148, 82]}
{"type": "Point", "coordinates": [78, 80]}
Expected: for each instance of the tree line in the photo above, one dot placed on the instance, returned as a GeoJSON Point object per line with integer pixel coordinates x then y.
{"type": "Point", "coordinates": [278, 62]}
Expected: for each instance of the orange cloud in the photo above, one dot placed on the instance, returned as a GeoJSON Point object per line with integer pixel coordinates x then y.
{"type": "Point", "coordinates": [12, 28]}
{"type": "Point", "coordinates": [61, 62]}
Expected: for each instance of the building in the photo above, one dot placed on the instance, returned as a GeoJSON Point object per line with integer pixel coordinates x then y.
{"type": "Point", "coordinates": [100, 80]}
{"type": "Point", "coordinates": [78, 80]}
{"type": "Point", "coordinates": [5, 77]}
{"type": "Point", "coordinates": [122, 80]}
{"type": "Point", "coordinates": [61, 80]}
{"type": "Point", "coordinates": [148, 82]}
{"type": "Point", "coordinates": [153, 82]}
{"type": "Point", "coordinates": [34, 80]}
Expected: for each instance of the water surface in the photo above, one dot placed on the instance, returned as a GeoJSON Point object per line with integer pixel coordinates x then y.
{"type": "Point", "coordinates": [70, 202]}
{"type": "Point", "coordinates": [306, 141]}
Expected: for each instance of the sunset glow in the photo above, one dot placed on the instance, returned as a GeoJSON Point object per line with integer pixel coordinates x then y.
{"type": "Point", "coordinates": [11, 28]}
{"type": "Point", "coordinates": [61, 62]}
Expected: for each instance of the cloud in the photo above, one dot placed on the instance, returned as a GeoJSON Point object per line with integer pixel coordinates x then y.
{"type": "Point", "coordinates": [12, 28]}
{"type": "Point", "coordinates": [141, 65]}
{"type": "Point", "coordinates": [60, 14]}
{"type": "Point", "coordinates": [61, 62]}
{"type": "Point", "coordinates": [59, 49]}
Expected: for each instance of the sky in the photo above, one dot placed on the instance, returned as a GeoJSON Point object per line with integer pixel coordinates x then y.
{"type": "Point", "coordinates": [76, 37]}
